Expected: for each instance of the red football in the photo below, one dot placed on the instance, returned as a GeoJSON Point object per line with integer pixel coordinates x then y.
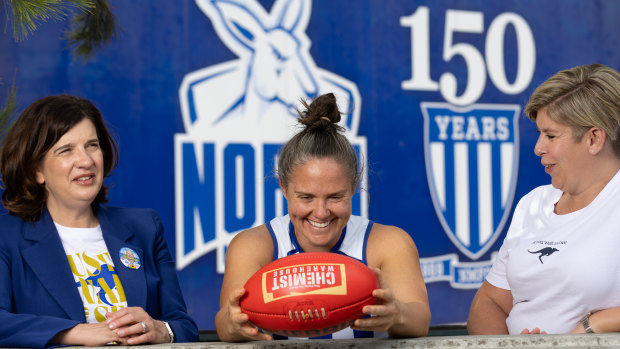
{"type": "Point", "coordinates": [309, 294]}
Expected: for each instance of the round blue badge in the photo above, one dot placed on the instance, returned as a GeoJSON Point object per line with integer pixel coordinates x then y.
{"type": "Point", "coordinates": [129, 258]}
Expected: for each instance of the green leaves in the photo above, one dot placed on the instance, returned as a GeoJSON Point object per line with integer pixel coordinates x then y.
{"type": "Point", "coordinates": [94, 25]}
{"type": "Point", "coordinates": [92, 29]}
{"type": "Point", "coordinates": [26, 15]}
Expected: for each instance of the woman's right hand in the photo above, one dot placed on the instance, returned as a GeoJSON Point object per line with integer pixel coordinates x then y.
{"type": "Point", "coordinates": [248, 251]}
{"type": "Point", "coordinates": [239, 320]}
{"type": "Point", "coordinates": [95, 334]}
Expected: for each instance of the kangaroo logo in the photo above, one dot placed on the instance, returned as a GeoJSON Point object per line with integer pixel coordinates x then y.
{"type": "Point", "coordinates": [547, 251]}
{"type": "Point", "coordinates": [259, 92]}
{"type": "Point", "coordinates": [237, 114]}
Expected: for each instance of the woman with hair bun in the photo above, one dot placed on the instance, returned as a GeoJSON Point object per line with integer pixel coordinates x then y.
{"type": "Point", "coordinates": [318, 174]}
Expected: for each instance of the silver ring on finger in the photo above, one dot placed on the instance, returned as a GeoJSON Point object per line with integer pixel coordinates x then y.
{"type": "Point", "coordinates": [144, 328]}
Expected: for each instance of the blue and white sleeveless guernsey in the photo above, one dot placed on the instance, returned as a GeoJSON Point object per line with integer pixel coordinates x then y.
{"type": "Point", "coordinates": [352, 243]}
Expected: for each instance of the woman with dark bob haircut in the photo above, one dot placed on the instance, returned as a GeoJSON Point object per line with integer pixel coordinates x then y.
{"type": "Point", "coordinates": [72, 271]}
{"type": "Point", "coordinates": [38, 128]}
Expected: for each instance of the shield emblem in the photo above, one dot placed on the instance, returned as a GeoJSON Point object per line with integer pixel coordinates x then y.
{"type": "Point", "coordinates": [472, 157]}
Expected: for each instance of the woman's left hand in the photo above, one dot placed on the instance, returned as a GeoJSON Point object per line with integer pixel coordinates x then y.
{"type": "Point", "coordinates": [135, 326]}
{"type": "Point", "coordinates": [385, 313]}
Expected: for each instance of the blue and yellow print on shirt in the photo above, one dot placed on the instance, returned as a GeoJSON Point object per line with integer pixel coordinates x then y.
{"type": "Point", "coordinates": [98, 284]}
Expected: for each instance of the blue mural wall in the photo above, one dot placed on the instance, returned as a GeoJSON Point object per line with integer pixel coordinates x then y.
{"type": "Point", "coordinates": [200, 94]}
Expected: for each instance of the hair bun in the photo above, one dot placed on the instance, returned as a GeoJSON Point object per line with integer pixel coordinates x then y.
{"type": "Point", "coordinates": [321, 114]}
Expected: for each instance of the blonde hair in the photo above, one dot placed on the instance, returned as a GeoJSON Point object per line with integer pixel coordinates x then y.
{"type": "Point", "coordinates": [582, 97]}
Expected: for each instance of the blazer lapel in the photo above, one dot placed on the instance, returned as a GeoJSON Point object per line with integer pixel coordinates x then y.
{"type": "Point", "coordinates": [46, 256]}
{"type": "Point", "coordinates": [133, 280]}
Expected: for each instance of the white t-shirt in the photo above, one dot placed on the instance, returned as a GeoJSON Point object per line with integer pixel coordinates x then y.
{"type": "Point", "coordinates": [93, 271]}
{"type": "Point", "coordinates": [559, 267]}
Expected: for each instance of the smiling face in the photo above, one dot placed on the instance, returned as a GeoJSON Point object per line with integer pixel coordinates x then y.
{"type": "Point", "coordinates": [319, 203]}
{"type": "Point", "coordinates": [72, 170]}
{"type": "Point", "coordinates": [565, 159]}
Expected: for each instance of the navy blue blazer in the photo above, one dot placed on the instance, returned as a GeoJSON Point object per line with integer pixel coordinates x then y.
{"type": "Point", "coordinates": [38, 295]}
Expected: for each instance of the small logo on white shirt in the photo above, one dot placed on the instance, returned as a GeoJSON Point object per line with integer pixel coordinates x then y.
{"type": "Point", "coordinates": [547, 251]}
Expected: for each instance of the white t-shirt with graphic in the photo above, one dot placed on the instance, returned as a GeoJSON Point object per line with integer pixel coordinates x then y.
{"type": "Point", "coordinates": [560, 267]}
{"type": "Point", "coordinates": [93, 271]}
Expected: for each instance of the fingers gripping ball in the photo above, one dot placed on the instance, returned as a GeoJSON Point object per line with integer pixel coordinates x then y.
{"type": "Point", "coordinates": [309, 294]}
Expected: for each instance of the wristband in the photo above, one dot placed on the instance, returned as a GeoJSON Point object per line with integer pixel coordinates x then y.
{"type": "Point", "coordinates": [169, 331]}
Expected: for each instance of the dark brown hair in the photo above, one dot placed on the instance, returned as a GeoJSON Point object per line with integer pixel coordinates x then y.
{"type": "Point", "coordinates": [36, 130]}
{"type": "Point", "coordinates": [320, 138]}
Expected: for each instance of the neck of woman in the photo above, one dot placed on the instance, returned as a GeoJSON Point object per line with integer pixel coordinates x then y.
{"type": "Point", "coordinates": [83, 218]}
{"type": "Point", "coordinates": [599, 176]}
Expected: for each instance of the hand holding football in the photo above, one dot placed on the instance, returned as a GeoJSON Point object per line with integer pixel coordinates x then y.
{"type": "Point", "coordinates": [309, 294]}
